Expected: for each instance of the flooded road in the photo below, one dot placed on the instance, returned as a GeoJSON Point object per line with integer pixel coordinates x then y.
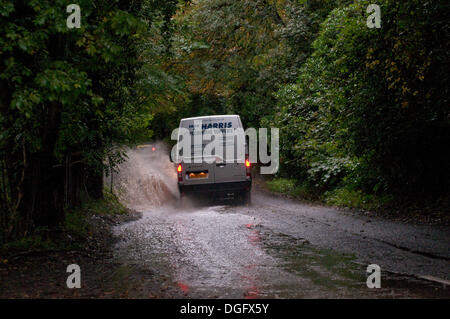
{"type": "Point", "coordinates": [280, 248]}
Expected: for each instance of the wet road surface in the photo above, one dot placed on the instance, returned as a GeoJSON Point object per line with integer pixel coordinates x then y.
{"type": "Point", "coordinates": [282, 248]}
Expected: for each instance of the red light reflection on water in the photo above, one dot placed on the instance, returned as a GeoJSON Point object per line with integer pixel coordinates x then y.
{"type": "Point", "coordinates": [252, 291]}
{"type": "Point", "coordinates": [184, 288]}
{"type": "Point", "coordinates": [249, 272]}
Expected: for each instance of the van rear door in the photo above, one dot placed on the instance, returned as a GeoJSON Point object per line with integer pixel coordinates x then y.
{"type": "Point", "coordinates": [231, 168]}
{"type": "Point", "coordinates": [197, 170]}
{"type": "Point", "coordinates": [220, 168]}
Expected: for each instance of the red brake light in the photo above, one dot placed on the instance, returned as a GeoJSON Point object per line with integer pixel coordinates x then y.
{"type": "Point", "coordinates": [180, 174]}
{"type": "Point", "coordinates": [153, 148]}
{"type": "Point", "coordinates": [247, 167]}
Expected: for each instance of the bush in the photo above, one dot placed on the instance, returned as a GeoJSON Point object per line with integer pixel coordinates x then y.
{"type": "Point", "coordinates": [369, 112]}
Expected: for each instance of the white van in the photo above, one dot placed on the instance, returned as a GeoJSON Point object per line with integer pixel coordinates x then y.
{"type": "Point", "coordinates": [220, 174]}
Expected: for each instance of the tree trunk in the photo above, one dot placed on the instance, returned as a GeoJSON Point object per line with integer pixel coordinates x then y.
{"type": "Point", "coordinates": [43, 189]}
{"type": "Point", "coordinates": [94, 183]}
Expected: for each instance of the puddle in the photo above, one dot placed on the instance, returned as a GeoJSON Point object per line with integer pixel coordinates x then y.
{"type": "Point", "coordinates": [341, 274]}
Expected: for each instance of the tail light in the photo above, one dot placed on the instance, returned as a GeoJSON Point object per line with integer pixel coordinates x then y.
{"type": "Point", "coordinates": [247, 166]}
{"type": "Point", "coordinates": [180, 172]}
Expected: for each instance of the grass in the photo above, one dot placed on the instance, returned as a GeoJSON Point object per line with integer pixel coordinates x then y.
{"type": "Point", "coordinates": [109, 205]}
{"type": "Point", "coordinates": [340, 196]}
{"type": "Point", "coordinates": [76, 219]}
{"type": "Point", "coordinates": [291, 187]}
{"type": "Point", "coordinates": [38, 240]}
{"type": "Point", "coordinates": [344, 197]}
{"type": "Point", "coordinates": [71, 234]}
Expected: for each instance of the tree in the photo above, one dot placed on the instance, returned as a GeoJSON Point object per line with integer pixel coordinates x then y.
{"type": "Point", "coordinates": [69, 96]}
{"type": "Point", "coordinates": [370, 106]}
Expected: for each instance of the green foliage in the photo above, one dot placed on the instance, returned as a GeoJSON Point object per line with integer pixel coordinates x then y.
{"type": "Point", "coordinates": [109, 205]}
{"type": "Point", "coordinates": [347, 197]}
{"type": "Point", "coordinates": [76, 229]}
{"type": "Point", "coordinates": [292, 188]}
{"type": "Point", "coordinates": [76, 222]}
{"type": "Point", "coordinates": [241, 51]}
{"type": "Point", "coordinates": [39, 240]}
{"type": "Point", "coordinates": [365, 110]}
{"type": "Point", "coordinates": [71, 95]}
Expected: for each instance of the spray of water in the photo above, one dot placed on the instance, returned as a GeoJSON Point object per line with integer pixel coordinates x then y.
{"type": "Point", "coordinates": [147, 179]}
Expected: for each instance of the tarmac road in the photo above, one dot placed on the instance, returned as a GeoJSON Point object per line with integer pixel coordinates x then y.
{"type": "Point", "coordinates": [282, 248]}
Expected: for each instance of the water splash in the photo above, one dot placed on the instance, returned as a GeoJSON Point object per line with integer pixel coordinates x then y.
{"type": "Point", "coordinates": [147, 179]}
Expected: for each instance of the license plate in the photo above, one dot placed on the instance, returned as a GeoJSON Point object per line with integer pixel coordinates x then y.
{"type": "Point", "coordinates": [198, 175]}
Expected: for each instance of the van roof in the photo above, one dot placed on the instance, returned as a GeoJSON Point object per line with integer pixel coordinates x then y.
{"type": "Point", "coordinates": [209, 116]}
